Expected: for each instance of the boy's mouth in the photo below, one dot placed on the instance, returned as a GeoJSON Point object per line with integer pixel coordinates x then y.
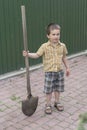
{"type": "Point", "coordinates": [55, 39]}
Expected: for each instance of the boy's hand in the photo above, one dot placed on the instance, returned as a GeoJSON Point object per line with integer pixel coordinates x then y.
{"type": "Point", "coordinates": [67, 72]}
{"type": "Point", "coordinates": [25, 53]}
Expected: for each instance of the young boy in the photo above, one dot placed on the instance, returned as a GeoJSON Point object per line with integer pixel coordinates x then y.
{"type": "Point", "coordinates": [54, 53]}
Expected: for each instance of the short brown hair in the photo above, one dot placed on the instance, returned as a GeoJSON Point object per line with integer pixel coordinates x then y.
{"type": "Point", "coordinates": [52, 26]}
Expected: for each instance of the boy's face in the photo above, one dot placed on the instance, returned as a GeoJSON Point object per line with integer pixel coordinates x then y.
{"type": "Point", "coordinates": [54, 36]}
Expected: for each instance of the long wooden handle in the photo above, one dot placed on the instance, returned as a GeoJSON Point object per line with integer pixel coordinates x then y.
{"type": "Point", "coordinates": [26, 48]}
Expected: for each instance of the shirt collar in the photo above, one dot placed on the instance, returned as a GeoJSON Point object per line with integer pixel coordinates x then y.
{"type": "Point", "coordinates": [49, 43]}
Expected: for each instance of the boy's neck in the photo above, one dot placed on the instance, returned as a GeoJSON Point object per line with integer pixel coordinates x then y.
{"type": "Point", "coordinates": [54, 43]}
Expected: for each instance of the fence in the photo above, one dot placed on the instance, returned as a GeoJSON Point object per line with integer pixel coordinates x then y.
{"type": "Point", "coordinates": [71, 15]}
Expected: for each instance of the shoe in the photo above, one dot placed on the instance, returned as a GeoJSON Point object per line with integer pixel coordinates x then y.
{"type": "Point", "coordinates": [48, 109]}
{"type": "Point", "coordinates": [59, 106]}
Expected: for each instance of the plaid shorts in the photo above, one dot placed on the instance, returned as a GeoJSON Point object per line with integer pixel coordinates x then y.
{"type": "Point", "coordinates": [54, 81]}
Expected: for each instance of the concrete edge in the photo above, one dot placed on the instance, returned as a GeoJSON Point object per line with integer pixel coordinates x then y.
{"type": "Point", "coordinates": [32, 68]}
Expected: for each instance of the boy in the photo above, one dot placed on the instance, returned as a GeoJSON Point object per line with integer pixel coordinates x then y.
{"type": "Point", "coordinates": [54, 53]}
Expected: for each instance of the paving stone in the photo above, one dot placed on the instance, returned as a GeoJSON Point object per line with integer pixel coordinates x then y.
{"type": "Point", "coordinates": [13, 91]}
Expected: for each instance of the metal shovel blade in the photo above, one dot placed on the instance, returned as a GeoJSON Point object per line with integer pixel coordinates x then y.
{"type": "Point", "coordinates": [29, 105]}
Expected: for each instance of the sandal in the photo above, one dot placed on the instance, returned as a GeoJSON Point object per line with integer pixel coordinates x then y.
{"type": "Point", "coordinates": [48, 110]}
{"type": "Point", "coordinates": [59, 106]}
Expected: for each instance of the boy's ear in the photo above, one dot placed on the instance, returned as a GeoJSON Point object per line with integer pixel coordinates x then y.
{"type": "Point", "coordinates": [47, 36]}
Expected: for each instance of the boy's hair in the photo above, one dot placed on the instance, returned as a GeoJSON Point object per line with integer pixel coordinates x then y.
{"type": "Point", "coordinates": [52, 26]}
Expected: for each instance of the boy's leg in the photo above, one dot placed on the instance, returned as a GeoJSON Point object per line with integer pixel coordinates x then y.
{"type": "Point", "coordinates": [57, 104]}
{"type": "Point", "coordinates": [59, 82]}
{"type": "Point", "coordinates": [48, 98]}
{"type": "Point", "coordinates": [48, 109]}
{"type": "Point", "coordinates": [57, 95]}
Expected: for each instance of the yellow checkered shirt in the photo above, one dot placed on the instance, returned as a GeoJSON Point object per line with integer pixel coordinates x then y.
{"type": "Point", "coordinates": [52, 56]}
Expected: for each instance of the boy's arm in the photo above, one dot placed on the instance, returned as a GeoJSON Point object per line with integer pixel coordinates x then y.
{"type": "Point", "coordinates": [31, 55]}
{"type": "Point", "coordinates": [34, 55]}
{"type": "Point", "coordinates": [64, 59]}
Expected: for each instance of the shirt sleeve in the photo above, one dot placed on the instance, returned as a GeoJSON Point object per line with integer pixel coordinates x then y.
{"type": "Point", "coordinates": [40, 51]}
{"type": "Point", "coordinates": [65, 51]}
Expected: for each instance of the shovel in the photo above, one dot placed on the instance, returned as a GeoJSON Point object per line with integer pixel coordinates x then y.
{"type": "Point", "coordinates": [29, 105]}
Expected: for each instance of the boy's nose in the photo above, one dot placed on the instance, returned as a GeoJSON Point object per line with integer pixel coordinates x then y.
{"type": "Point", "coordinates": [56, 36]}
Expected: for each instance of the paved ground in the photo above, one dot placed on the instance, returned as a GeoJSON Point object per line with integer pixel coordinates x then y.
{"type": "Point", "coordinates": [13, 91]}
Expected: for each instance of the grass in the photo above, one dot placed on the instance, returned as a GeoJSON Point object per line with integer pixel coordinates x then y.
{"type": "Point", "coordinates": [4, 106]}
{"type": "Point", "coordinates": [15, 98]}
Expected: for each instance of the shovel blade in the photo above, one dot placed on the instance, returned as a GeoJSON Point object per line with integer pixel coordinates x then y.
{"type": "Point", "coordinates": [29, 105]}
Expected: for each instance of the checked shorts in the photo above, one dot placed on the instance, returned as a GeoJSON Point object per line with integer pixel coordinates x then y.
{"type": "Point", "coordinates": [54, 81]}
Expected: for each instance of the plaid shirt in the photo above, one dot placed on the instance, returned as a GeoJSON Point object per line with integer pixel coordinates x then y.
{"type": "Point", "coordinates": [52, 56]}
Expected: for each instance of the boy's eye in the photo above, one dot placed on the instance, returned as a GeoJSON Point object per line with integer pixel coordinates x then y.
{"type": "Point", "coordinates": [56, 34]}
